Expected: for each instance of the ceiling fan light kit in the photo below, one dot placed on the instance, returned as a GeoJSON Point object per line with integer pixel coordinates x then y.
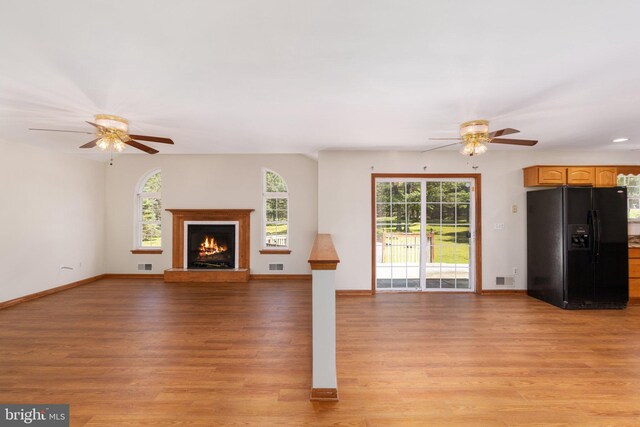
{"type": "Point", "coordinates": [473, 148]}
{"type": "Point", "coordinates": [475, 135]}
{"type": "Point", "coordinates": [115, 131]}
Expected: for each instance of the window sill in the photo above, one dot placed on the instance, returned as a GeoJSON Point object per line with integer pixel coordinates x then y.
{"type": "Point", "coordinates": [275, 251]}
{"type": "Point", "coordinates": [146, 251]}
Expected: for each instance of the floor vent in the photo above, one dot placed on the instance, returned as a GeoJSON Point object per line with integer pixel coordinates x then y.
{"type": "Point", "coordinates": [508, 281]}
{"type": "Point", "coordinates": [276, 267]}
{"type": "Point", "coordinates": [145, 267]}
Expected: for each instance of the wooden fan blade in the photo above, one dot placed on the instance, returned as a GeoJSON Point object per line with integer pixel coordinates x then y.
{"type": "Point", "coordinates": [90, 144]}
{"type": "Point", "coordinates": [507, 131]}
{"type": "Point", "coordinates": [442, 146]}
{"type": "Point", "coordinates": [445, 139]}
{"type": "Point", "coordinates": [59, 130]}
{"type": "Point", "coordinates": [152, 138]}
{"type": "Point", "coordinates": [136, 144]}
{"type": "Point", "coordinates": [102, 128]}
{"type": "Point", "coordinates": [527, 142]}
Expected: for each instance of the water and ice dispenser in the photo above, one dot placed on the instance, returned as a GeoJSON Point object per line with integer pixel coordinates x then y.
{"type": "Point", "coordinates": [579, 236]}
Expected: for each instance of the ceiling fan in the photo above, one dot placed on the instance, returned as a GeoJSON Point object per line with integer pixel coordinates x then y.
{"type": "Point", "coordinates": [474, 135]}
{"type": "Point", "coordinates": [113, 133]}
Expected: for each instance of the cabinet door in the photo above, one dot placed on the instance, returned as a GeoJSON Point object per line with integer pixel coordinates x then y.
{"type": "Point", "coordinates": [634, 288]}
{"type": "Point", "coordinates": [634, 268]}
{"type": "Point", "coordinates": [551, 175]}
{"type": "Point", "coordinates": [634, 272]}
{"type": "Point", "coordinates": [606, 177]}
{"type": "Point", "coordinates": [577, 175]}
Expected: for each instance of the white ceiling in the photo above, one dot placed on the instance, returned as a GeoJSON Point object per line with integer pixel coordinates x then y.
{"type": "Point", "coordinates": [305, 75]}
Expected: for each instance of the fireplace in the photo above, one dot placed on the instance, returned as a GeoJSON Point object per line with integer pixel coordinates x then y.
{"type": "Point", "coordinates": [211, 245]}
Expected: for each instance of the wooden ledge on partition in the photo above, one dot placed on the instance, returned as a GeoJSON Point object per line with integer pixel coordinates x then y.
{"type": "Point", "coordinates": [146, 251]}
{"type": "Point", "coordinates": [323, 254]}
{"type": "Point", "coordinates": [275, 251]}
{"type": "Point", "coordinates": [324, 394]}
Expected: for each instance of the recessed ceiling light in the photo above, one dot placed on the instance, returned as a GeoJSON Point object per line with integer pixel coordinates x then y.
{"type": "Point", "coordinates": [621, 140]}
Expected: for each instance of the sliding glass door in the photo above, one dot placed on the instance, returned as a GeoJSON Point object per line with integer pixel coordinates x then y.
{"type": "Point", "coordinates": [424, 234]}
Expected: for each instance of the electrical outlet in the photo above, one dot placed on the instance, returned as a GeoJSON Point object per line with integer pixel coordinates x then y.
{"type": "Point", "coordinates": [515, 271]}
{"type": "Point", "coordinates": [514, 208]}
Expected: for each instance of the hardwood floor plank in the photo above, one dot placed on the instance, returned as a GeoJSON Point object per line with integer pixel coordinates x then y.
{"type": "Point", "coordinates": [134, 353]}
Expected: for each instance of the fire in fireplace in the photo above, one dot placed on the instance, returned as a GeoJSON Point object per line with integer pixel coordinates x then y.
{"type": "Point", "coordinates": [211, 246]}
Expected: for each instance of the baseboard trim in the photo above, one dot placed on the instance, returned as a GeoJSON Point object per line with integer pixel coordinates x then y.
{"type": "Point", "coordinates": [279, 277]}
{"type": "Point", "coordinates": [504, 292]}
{"type": "Point", "coordinates": [353, 292]}
{"type": "Point", "coordinates": [133, 276]}
{"type": "Point", "coordinates": [50, 291]}
{"type": "Point", "coordinates": [324, 394]}
{"type": "Point", "coordinates": [634, 300]}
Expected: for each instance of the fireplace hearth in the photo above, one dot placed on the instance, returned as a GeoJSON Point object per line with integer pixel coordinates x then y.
{"type": "Point", "coordinates": [211, 246]}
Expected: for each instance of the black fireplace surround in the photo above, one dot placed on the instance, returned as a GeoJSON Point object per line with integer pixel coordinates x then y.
{"type": "Point", "coordinates": [211, 246]}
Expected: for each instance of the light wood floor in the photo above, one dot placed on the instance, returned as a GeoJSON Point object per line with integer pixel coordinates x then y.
{"type": "Point", "coordinates": [129, 353]}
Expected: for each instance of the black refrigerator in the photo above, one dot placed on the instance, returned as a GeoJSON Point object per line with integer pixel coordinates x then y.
{"type": "Point", "coordinates": [577, 248]}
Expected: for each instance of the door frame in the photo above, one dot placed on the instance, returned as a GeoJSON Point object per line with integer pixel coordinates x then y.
{"type": "Point", "coordinates": [477, 218]}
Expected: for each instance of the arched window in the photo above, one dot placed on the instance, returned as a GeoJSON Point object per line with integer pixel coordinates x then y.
{"type": "Point", "coordinates": [275, 198]}
{"type": "Point", "coordinates": [149, 211]}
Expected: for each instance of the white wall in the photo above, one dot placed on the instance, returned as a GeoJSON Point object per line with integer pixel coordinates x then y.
{"type": "Point", "coordinates": [52, 215]}
{"type": "Point", "coordinates": [344, 201]}
{"type": "Point", "coordinates": [63, 210]}
{"type": "Point", "coordinates": [211, 182]}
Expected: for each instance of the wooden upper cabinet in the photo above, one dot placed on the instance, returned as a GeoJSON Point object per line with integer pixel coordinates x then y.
{"type": "Point", "coordinates": [581, 175]}
{"type": "Point", "coordinates": [606, 176]}
{"type": "Point", "coordinates": [536, 176]}
{"type": "Point", "coordinates": [549, 176]}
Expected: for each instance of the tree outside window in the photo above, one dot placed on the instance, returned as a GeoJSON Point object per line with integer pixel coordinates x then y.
{"type": "Point", "coordinates": [150, 212]}
{"type": "Point", "coordinates": [276, 211]}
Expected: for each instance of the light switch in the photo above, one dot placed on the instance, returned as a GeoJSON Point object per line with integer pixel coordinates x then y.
{"type": "Point", "coordinates": [514, 208]}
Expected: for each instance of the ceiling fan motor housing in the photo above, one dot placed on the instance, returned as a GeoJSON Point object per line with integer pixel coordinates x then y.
{"type": "Point", "coordinates": [112, 122]}
{"type": "Point", "coordinates": [475, 131]}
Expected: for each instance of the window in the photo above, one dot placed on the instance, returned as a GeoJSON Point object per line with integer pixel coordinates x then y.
{"type": "Point", "coordinates": [632, 182]}
{"type": "Point", "coordinates": [149, 211]}
{"type": "Point", "coordinates": [275, 199]}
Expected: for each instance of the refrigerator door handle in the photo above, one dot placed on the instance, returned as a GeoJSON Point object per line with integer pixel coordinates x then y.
{"type": "Point", "coordinates": [596, 235]}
